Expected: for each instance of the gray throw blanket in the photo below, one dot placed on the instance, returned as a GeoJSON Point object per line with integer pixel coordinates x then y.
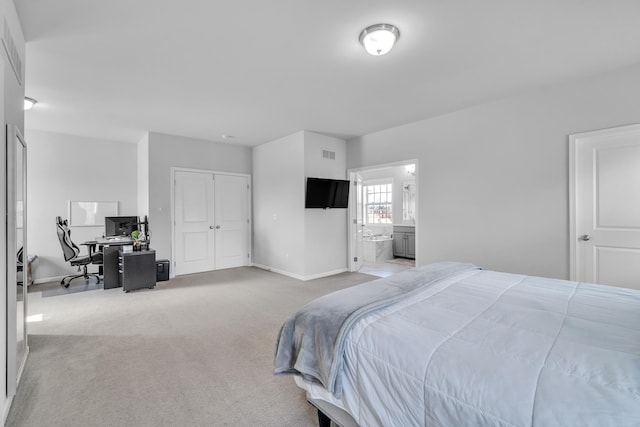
{"type": "Point", "coordinates": [311, 343]}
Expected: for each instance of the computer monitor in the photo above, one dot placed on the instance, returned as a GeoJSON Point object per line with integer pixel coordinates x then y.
{"type": "Point", "coordinates": [120, 225]}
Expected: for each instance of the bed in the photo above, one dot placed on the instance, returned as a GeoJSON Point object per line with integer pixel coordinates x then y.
{"type": "Point", "coordinates": [451, 344]}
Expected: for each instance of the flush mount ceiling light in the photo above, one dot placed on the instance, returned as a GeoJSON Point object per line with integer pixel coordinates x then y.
{"type": "Point", "coordinates": [379, 39]}
{"type": "Point", "coordinates": [29, 103]}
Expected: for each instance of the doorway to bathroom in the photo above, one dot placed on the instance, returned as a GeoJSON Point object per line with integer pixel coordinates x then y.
{"type": "Point", "coordinates": [383, 218]}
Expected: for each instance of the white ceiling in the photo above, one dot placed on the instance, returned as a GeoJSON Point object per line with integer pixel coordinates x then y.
{"type": "Point", "coordinates": [263, 69]}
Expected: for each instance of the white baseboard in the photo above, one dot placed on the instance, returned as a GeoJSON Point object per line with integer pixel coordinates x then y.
{"type": "Point", "coordinates": [299, 276]}
{"type": "Point", "coordinates": [57, 278]}
{"type": "Point", "coordinates": [325, 274]}
{"type": "Point", "coordinates": [277, 270]}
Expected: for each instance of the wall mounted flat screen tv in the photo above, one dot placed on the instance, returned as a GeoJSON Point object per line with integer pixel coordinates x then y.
{"type": "Point", "coordinates": [327, 193]}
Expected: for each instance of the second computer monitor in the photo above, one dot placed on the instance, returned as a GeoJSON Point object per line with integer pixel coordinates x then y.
{"type": "Point", "coordinates": [120, 225]}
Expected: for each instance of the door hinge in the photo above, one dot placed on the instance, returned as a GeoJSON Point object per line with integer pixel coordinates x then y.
{"type": "Point", "coordinates": [355, 221]}
{"type": "Point", "coordinates": [248, 186]}
{"type": "Point", "coordinates": [355, 183]}
{"type": "Point", "coordinates": [247, 221]}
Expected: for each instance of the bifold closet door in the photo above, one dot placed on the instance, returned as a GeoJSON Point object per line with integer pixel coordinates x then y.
{"type": "Point", "coordinates": [211, 216]}
{"type": "Point", "coordinates": [194, 222]}
{"type": "Point", "coordinates": [232, 221]}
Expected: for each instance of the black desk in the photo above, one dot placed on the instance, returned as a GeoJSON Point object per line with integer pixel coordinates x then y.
{"type": "Point", "coordinates": [110, 248]}
{"type": "Point", "coordinates": [137, 269]}
{"type": "Point", "coordinates": [141, 270]}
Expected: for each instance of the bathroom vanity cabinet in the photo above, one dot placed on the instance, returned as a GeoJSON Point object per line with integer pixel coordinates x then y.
{"type": "Point", "coordinates": [404, 241]}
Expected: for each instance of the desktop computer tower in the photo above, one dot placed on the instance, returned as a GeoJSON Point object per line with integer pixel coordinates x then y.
{"type": "Point", "coordinates": [162, 270]}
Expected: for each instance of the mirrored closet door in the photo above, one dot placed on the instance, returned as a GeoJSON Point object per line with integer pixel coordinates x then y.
{"type": "Point", "coordinates": [17, 258]}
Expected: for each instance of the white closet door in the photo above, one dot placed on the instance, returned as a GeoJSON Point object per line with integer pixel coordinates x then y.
{"type": "Point", "coordinates": [232, 221]}
{"type": "Point", "coordinates": [194, 222]}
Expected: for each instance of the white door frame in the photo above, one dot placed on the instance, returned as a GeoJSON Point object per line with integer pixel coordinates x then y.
{"type": "Point", "coordinates": [352, 250]}
{"type": "Point", "coordinates": [173, 171]}
{"type": "Point", "coordinates": [352, 207]}
{"type": "Point", "coordinates": [574, 140]}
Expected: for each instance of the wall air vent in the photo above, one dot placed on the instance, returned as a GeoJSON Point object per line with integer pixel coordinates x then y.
{"type": "Point", "coordinates": [329, 155]}
{"type": "Point", "coordinates": [12, 52]}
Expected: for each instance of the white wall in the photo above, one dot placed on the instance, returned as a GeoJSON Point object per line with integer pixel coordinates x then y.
{"type": "Point", "coordinates": [11, 111]}
{"type": "Point", "coordinates": [326, 237]}
{"type": "Point", "coordinates": [278, 205]}
{"type": "Point", "coordinates": [13, 89]}
{"type": "Point", "coordinates": [167, 151]}
{"type": "Point", "coordinates": [142, 166]}
{"type": "Point", "coordinates": [493, 179]}
{"type": "Point", "coordinates": [65, 167]}
{"type": "Point", "coordinates": [4, 401]}
{"type": "Point", "coordinates": [289, 239]}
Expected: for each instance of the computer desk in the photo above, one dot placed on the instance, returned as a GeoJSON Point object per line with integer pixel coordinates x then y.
{"type": "Point", "coordinates": [110, 247]}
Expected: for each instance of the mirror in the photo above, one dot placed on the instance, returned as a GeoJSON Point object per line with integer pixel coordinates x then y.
{"type": "Point", "coordinates": [409, 202]}
{"type": "Point", "coordinates": [17, 258]}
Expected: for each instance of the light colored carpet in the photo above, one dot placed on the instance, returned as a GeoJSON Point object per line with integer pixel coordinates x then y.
{"type": "Point", "coordinates": [194, 351]}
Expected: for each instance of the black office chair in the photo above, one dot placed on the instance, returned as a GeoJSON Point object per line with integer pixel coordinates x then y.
{"type": "Point", "coordinates": [71, 253]}
{"type": "Point", "coordinates": [20, 266]}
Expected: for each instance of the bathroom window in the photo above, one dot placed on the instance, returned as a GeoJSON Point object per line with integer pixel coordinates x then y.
{"type": "Point", "coordinates": [378, 203]}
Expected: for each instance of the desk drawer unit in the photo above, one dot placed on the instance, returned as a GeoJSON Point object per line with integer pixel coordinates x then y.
{"type": "Point", "coordinates": [137, 270]}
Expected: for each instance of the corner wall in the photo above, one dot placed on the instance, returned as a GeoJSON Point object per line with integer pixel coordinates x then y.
{"type": "Point", "coordinates": [289, 239]}
{"type": "Point", "coordinates": [493, 179]}
{"type": "Point", "coordinates": [326, 234]}
{"type": "Point", "coordinates": [278, 205]}
{"type": "Point", "coordinates": [142, 163]}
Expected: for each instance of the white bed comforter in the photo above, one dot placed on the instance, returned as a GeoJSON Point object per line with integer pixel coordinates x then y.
{"type": "Point", "coordinates": [494, 349]}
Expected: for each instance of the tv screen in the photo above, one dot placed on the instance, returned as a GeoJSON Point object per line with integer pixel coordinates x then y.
{"type": "Point", "coordinates": [327, 193]}
{"type": "Point", "coordinates": [120, 225]}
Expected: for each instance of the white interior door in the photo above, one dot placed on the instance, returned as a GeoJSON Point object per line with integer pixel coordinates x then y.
{"type": "Point", "coordinates": [194, 222]}
{"type": "Point", "coordinates": [605, 234]}
{"type": "Point", "coordinates": [231, 221]}
{"type": "Point", "coordinates": [356, 222]}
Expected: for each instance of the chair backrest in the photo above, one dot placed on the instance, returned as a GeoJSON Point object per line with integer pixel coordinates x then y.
{"type": "Point", "coordinates": [69, 249]}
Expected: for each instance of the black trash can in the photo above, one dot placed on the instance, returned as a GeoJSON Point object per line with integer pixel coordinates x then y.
{"type": "Point", "coordinates": [162, 270]}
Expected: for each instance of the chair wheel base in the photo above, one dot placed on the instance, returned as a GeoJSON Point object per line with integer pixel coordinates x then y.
{"type": "Point", "coordinates": [85, 276]}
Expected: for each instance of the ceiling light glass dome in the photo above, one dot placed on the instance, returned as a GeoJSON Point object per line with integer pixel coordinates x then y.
{"type": "Point", "coordinates": [379, 39]}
